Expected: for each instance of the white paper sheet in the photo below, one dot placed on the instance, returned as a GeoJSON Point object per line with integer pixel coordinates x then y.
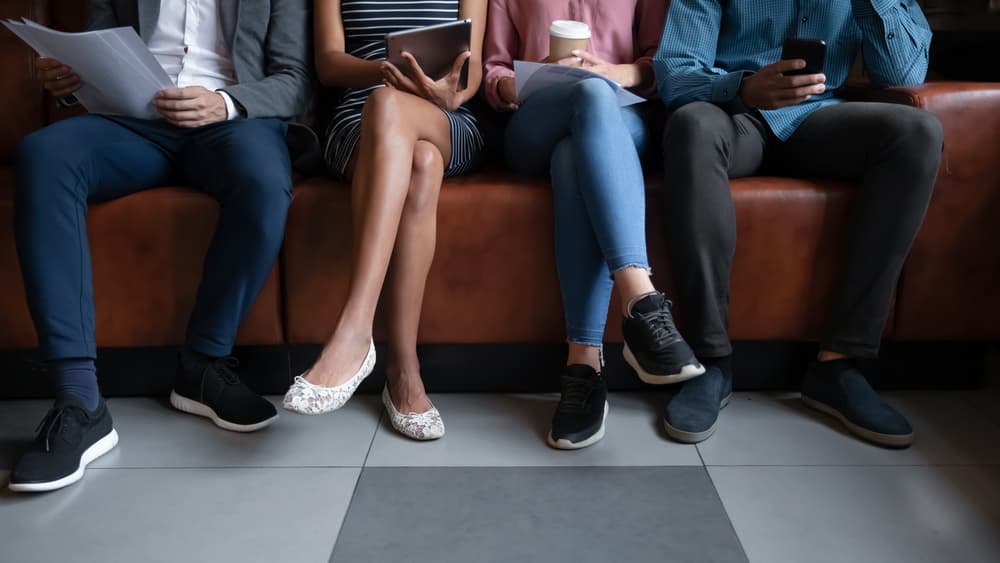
{"type": "Point", "coordinates": [118, 74]}
{"type": "Point", "coordinates": [531, 78]}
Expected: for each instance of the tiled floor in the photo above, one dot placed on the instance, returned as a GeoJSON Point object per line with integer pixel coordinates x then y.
{"type": "Point", "coordinates": [776, 484]}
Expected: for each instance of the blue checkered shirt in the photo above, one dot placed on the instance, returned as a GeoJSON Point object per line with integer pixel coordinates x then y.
{"type": "Point", "coordinates": [708, 46]}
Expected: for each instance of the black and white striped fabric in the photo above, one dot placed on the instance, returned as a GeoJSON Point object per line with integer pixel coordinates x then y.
{"type": "Point", "coordinates": [365, 24]}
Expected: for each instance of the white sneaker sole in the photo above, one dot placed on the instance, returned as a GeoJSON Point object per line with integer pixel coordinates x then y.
{"type": "Point", "coordinates": [191, 406]}
{"type": "Point", "coordinates": [695, 437]}
{"type": "Point", "coordinates": [689, 371]}
{"type": "Point", "coordinates": [564, 444]}
{"type": "Point", "coordinates": [99, 448]}
{"type": "Point", "coordinates": [888, 440]}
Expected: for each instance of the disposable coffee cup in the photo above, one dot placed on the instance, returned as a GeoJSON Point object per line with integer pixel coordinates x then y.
{"type": "Point", "coordinates": [566, 36]}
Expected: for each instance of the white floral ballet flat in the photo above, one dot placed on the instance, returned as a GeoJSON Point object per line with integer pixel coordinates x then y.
{"type": "Point", "coordinates": [306, 398]}
{"type": "Point", "coordinates": [425, 425]}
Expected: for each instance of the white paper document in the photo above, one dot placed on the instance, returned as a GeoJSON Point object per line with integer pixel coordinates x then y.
{"type": "Point", "coordinates": [118, 74]}
{"type": "Point", "coordinates": [531, 78]}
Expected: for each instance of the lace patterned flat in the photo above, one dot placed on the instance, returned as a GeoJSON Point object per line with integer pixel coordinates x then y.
{"type": "Point", "coordinates": [425, 425]}
{"type": "Point", "coordinates": [307, 398]}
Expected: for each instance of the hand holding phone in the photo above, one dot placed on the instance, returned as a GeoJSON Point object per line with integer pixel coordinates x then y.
{"type": "Point", "coordinates": [790, 81]}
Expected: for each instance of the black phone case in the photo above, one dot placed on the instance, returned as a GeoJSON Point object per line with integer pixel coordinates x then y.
{"type": "Point", "coordinates": [812, 51]}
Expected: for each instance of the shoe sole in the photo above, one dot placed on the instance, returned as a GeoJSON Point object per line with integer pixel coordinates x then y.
{"type": "Point", "coordinates": [695, 437]}
{"type": "Point", "coordinates": [564, 444]}
{"type": "Point", "coordinates": [99, 448]}
{"type": "Point", "coordinates": [191, 406]}
{"type": "Point", "coordinates": [877, 438]}
{"type": "Point", "coordinates": [689, 371]}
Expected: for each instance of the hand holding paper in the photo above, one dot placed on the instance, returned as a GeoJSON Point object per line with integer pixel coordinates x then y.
{"type": "Point", "coordinates": [115, 72]}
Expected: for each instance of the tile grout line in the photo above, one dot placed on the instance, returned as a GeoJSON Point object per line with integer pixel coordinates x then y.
{"type": "Point", "coordinates": [357, 482]}
{"type": "Point", "coordinates": [725, 509]}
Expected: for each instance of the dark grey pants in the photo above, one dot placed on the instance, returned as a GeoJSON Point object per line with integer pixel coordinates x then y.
{"type": "Point", "coordinates": [893, 151]}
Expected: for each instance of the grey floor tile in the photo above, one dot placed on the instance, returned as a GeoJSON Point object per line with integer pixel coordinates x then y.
{"type": "Point", "coordinates": [154, 435]}
{"type": "Point", "coordinates": [934, 514]}
{"type": "Point", "coordinates": [777, 429]}
{"type": "Point", "coordinates": [529, 514]}
{"type": "Point", "coordinates": [18, 420]}
{"type": "Point", "coordinates": [170, 515]}
{"type": "Point", "coordinates": [510, 430]}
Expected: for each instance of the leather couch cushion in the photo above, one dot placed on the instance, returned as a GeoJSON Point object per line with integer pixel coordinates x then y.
{"type": "Point", "coordinates": [494, 278]}
{"type": "Point", "coordinates": [949, 286]}
{"type": "Point", "coordinates": [147, 253]}
{"type": "Point", "coordinates": [21, 107]}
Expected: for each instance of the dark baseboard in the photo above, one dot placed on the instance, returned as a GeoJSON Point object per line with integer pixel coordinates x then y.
{"type": "Point", "coordinates": [509, 368]}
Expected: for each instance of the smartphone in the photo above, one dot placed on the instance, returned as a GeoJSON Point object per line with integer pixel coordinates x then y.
{"type": "Point", "coordinates": [812, 51]}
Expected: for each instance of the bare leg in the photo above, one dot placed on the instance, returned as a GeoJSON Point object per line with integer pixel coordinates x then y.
{"type": "Point", "coordinates": [411, 262]}
{"type": "Point", "coordinates": [392, 123]}
{"type": "Point", "coordinates": [583, 354]}
{"type": "Point", "coordinates": [631, 283]}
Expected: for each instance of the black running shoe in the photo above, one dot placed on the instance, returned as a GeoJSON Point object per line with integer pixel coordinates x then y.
{"type": "Point", "coordinates": [653, 347]}
{"type": "Point", "coordinates": [216, 392]}
{"type": "Point", "coordinates": [69, 438]}
{"type": "Point", "coordinates": [579, 418]}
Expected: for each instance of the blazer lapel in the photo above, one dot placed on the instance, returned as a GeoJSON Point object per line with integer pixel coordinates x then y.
{"type": "Point", "coordinates": [149, 12]}
{"type": "Point", "coordinates": [229, 18]}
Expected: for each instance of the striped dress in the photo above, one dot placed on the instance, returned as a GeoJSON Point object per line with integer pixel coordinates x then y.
{"type": "Point", "coordinates": [365, 24]}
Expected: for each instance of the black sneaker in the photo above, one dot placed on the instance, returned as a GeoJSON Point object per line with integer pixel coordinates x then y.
{"type": "Point", "coordinates": [215, 392]}
{"type": "Point", "coordinates": [69, 438]}
{"type": "Point", "coordinates": [653, 347]}
{"type": "Point", "coordinates": [579, 418]}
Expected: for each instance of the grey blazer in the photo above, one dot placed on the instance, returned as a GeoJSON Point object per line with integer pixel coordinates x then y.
{"type": "Point", "coordinates": [269, 41]}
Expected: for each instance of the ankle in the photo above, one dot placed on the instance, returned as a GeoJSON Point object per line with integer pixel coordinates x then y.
{"type": "Point", "coordinates": [828, 356]}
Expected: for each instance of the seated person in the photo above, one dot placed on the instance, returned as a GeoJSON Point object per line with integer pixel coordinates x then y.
{"type": "Point", "coordinates": [222, 131]}
{"type": "Point", "coordinates": [738, 112]}
{"type": "Point", "coordinates": [394, 138]}
{"type": "Point", "coordinates": [592, 149]}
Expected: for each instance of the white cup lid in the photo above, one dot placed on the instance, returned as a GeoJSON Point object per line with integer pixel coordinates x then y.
{"type": "Point", "coordinates": [569, 29]}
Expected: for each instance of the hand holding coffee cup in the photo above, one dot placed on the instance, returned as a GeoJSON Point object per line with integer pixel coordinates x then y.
{"type": "Point", "coordinates": [566, 36]}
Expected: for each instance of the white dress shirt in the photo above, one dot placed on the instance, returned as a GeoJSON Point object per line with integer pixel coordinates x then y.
{"type": "Point", "coordinates": [189, 45]}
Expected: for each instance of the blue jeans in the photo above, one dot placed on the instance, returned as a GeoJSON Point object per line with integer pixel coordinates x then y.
{"type": "Point", "coordinates": [591, 147]}
{"type": "Point", "coordinates": [243, 164]}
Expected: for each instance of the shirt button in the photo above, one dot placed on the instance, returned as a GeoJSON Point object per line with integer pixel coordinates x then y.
{"type": "Point", "coordinates": [725, 91]}
{"type": "Point", "coordinates": [891, 35]}
{"type": "Point", "coordinates": [805, 19]}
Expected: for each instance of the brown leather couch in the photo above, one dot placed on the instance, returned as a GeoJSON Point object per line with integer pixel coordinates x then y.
{"type": "Point", "coordinates": [493, 279]}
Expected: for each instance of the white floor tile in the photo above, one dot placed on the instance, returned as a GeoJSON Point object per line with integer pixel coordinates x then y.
{"type": "Point", "coordinates": [510, 430]}
{"type": "Point", "coordinates": [171, 515]}
{"type": "Point", "coordinates": [864, 514]}
{"type": "Point", "coordinates": [777, 429]}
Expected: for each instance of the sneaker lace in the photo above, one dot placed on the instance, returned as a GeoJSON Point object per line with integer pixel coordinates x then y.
{"type": "Point", "coordinates": [54, 423]}
{"type": "Point", "coordinates": [575, 393]}
{"type": "Point", "coordinates": [226, 368]}
{"type": "Point", "coordinates": [661, 324]}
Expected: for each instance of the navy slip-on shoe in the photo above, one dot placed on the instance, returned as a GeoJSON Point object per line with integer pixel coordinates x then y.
{"type": "Point", "coordinates": [839, 388]}
{"type": "Point", "coordinates": [693, 413]}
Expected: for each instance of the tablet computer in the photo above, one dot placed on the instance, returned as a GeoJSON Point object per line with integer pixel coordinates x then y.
{"type": "Point", "coordinates": [435, 47]}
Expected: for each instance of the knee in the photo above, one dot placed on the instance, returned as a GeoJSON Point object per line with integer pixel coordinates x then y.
{"type": "Point", "coordinates": [594, 94]}
{"type": "Point", "coordinates": [382, 110]}
{"type": "Point", "coordinates": [919, 133]}
{"type": "Point", "coordinates": [698, 125]}
{"type": "Point", "coordinates": [262, 198]}
{"type": "Point", "coordinates": [44, 172]}
{"type": "Point", "coordinates": [425, 178]}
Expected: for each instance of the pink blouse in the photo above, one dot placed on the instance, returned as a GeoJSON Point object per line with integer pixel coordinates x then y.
{"type": "Point", "coordinates": [623, 31]}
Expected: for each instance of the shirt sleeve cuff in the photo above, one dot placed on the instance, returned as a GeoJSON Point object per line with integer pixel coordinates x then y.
{"type": "Point", "coordinates": [726, 88]}
{"type": "Point", "coordinates": [231, 111]}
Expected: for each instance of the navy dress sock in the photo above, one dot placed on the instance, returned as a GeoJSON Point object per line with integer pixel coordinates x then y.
{"type": "Point", "coordinates": [76, 377]}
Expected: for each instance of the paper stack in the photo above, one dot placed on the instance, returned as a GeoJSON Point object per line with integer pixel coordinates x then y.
{"type": "Point", "coordinates": [118, 74]}
{"type": "Point", "coordinates": [530, 78]}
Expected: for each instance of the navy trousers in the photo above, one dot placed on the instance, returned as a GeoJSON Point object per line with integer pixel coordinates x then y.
{"type": "Point", "coordinates": [243, 164]}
